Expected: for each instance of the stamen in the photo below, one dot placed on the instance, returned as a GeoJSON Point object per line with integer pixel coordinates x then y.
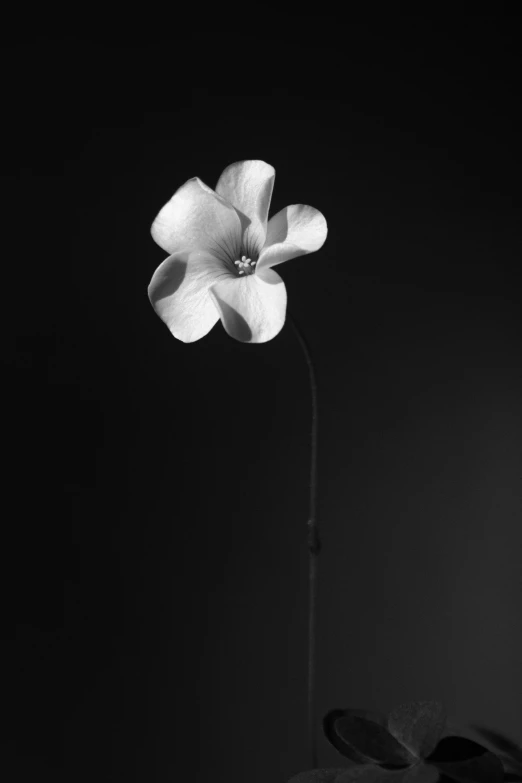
{"type": "Point", "coordinates": [246, 265]}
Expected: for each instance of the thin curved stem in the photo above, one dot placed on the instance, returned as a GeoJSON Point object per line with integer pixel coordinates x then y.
{"type": "Point", "coordinates": [314, 546]}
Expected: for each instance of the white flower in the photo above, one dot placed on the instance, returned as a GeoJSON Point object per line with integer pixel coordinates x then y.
{"type": "Point", "coordinates": [222, 250]}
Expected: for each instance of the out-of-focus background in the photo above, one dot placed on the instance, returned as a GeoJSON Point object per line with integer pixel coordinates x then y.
{"type": "Point", "coordinates": [155, 494]}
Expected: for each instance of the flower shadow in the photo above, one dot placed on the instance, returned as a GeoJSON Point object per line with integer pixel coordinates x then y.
{"type": "Point", "coordinates": [234, 320]}
{"type": "Point", "coordinates": [171, 282]}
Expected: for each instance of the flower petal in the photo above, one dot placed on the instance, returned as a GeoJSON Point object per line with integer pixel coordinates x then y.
{"type": "Point", "coordinates": [248, 186]}
{"type": "Point", "coordinates": [294, 231]}
{"type": "Point", "coordinates": [179, 292]}
{"type": "Point", "coordinates": [196, 218]}
{"type": "Point", "coordinates": [253, 307]}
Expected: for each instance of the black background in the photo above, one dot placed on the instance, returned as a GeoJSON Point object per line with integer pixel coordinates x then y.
{"type": "Point", "coordinates": [155, 494]}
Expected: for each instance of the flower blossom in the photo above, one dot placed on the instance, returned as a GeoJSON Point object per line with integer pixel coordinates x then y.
{"type": "Point", "coordinates": [222, 252]}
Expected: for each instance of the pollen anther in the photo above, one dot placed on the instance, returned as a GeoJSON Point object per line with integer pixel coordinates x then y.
{"type": "Point", "coordinates": [245, 265]}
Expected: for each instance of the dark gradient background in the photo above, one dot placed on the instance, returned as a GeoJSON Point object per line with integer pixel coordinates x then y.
{"type": "Point", "coordinates": [153, 542]}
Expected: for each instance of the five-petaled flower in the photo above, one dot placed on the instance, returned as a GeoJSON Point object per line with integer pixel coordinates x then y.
{"type": "Point", "coordinates": [222, 250]}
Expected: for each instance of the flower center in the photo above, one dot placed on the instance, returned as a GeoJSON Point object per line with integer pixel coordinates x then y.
{"type": "Point", "coordinates": [246, 266]}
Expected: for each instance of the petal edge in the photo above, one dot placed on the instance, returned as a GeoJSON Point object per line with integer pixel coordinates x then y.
{"type": "Point", "coordinates": [253, 308]}
{"type": "Point", "coordinates": [197, 218]}
{"type": "Point", "coordinates": [248, 186]}
{"type": "Point", "coordinates": [179, 293]}
{"type": "Point", "coordinates": [294, 231]}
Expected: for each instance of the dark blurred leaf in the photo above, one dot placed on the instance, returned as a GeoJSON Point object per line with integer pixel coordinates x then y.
{"type": "Point", "coordinates": [418, 726]}
{"type": "Point", "coordinates": [339, 744]}
{"type": "Point", "coordinates": [371, 740]}
{"type": "Point", "coordinates": [453, 748]}
{"type": "Point", "coordinates": [465, 761]}
{"type": "Point", "coordinates": [500, 742]}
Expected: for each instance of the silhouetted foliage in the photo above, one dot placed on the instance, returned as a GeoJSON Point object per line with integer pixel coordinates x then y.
{"type": "Point", "coordinates": [404, 747]}
{"type": "Point", "coordinates": [510, 752]}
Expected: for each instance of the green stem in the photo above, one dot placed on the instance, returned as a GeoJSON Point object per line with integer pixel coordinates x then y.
{"type": "Point", "coordinates": [314, 546]}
